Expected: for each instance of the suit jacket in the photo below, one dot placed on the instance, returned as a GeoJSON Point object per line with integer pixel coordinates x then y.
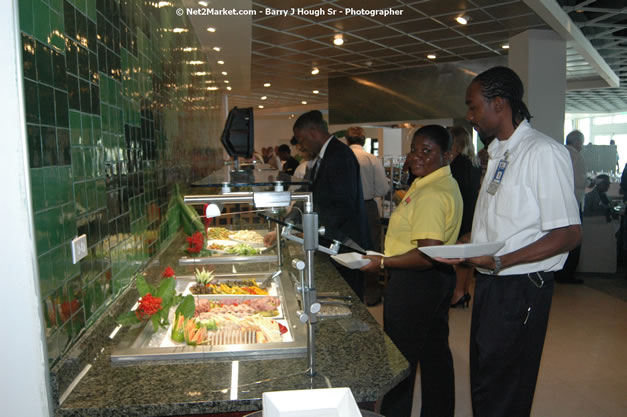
{"type": "Point", "coordinates": [469, 180]}
{"type": "Point", "coordinates": [338, 197]}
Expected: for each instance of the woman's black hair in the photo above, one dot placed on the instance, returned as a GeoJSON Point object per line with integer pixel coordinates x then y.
{"type": "Point", "coordinates": [438, 134]}
{"type": "Point", "coordinates": [505, 83]}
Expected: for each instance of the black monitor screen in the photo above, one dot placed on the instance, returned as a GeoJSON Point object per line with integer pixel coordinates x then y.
{"type": "Point", "coordinates": [238, 134]}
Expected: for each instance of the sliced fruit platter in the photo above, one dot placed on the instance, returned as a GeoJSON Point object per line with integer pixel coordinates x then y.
{"type": "Point", "coordinates": [207, 283]}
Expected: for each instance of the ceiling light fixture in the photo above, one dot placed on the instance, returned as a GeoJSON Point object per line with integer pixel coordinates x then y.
{"type": "Point", "coordinates": [267, 85]}
{"type": "Point", "coordinates": [338, 40]}
{"type": "Point", "coordinates": [203, 3]}
{"type": "Point", "coordinates": [462, 20]}
{"type": "Point", "coordinates": [431, 56]}
{"type": "Point", "coordinates": [216, 48]}
{"type": "Point", "coordinates": [224, 73]}
{"type": "Point", "coordinates": [264, 97]}
{"type": "Point", "coordinates": [221, 62]}
{"type": "Point", "coordinates": [226, 81]}
{"type": "Point", "coordinates": [315, 91]}
{"type": "Point", "coordinates": [506, 46]}
{"type": "Point", "coordinates": [228, 88]}
{"type": "Point", "coordinates": [303, 102]}
{"type": "Point", "coordinates": [315, 71]}
{"type": "Point", "coordinates": [211, 29]}
{"type": "Point", "coordinates": [260, 106]}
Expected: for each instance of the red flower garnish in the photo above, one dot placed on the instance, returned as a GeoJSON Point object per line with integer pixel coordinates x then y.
{"type": "Point", "coordinates": [168, 272]}
{"type": "Point", "coordinates": [282, 328]}
{"type": "Point", "coordinates": [148, 305]}
{"type": "Point", "coordinates": [196, 243]}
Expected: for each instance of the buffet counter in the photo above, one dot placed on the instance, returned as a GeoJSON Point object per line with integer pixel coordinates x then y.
{"type": "Point", "coordinates": [350, 352]}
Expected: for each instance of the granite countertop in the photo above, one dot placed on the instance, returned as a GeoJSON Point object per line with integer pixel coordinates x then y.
{"type": "Point", "coordinates": [366, 361]}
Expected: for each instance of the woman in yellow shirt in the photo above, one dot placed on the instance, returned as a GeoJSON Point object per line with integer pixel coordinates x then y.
{"type": "Point", "coordinates": [418, 295]}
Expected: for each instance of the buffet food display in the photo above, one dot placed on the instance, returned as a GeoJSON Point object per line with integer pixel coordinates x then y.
{"type": "Point", "coordinates": [234, 318]}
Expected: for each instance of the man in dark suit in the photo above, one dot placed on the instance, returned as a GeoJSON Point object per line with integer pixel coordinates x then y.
{"type": "Point", "coordinates": [336, 187]}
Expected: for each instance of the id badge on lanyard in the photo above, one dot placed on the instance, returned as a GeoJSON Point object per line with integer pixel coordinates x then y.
{"type": "Point", "coordinates": [498, 175]}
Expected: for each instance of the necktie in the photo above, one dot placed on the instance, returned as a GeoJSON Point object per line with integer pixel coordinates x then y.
{"type": "Point", "coordinates": [314, 169]}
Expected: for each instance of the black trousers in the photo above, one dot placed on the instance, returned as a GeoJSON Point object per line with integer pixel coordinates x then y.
{"type": "Point", "coordinates": [415, 317]}
{"type": "Point", "coordinates": [509, 320]}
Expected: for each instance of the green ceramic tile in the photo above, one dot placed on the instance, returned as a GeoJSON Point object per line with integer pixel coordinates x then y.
{"type": "Point", "coordinates": [61, 108]}
{"type": "Point", "coordinates": [31, 98]}
{"type": "Point", "coordinates": [46, 274]}
{"type": "Point", "coordinates": [57, 37]}
{"type": "Point", "coordinates": [63, 148]}
{"type": "Point", "coordinates": [69, 221]}
{"type": "Point", "coordinates": [43, 55]}
{"type": "Point", "coordinates": [50, 317]}
{"type": "Point", "coordinates": [52, 187]}
{"type": "Point", "coordinates": [42, 232]}
{"type": "Point", "coordinates": [57, 5]}
{"type": "Point", "coordinates": [29, 63]}
{"type": "Point", "coordinates": [81, 5]}
{"type": "Point", "coordinates": [83, 62]}
{"type": "Point", "coordinates": [71, 269]}
{"type": "Point", "coordinates": [71, 54]}
{"type": "Point", "coordinates": [95, 99]}
{"type": "Point", "coordinates": [75, 128]}
{"type": "Point", "coordinates": [93, 68]}
{"type": "Point", "coordinates": [35, 153]}
{"type": "Point", "coordinates": [69, 20]}
{"type": "Point", "coordinates": [58, 264]}
{"type": "Point", "coordinates": [49, 142]}
{"type": "Point", "coordinates": [99, 162]}
{"type": "Point", "coordinates": [46, 104]}
{"type": "Point", "coordinates": [37, 189]}
{"type": "Point", "coordinates": [92, 196]}
{"type": "Point", "coordinates": [59, 71]}
{"type": "Point", "coordinates": [80, 195]}
{"type": "Point", "coordinates": [86, 131]}
{"type": "Point", "coordinates": [104, 115]}
{"type": "Point", "coordinates": [65, 183]}
{"type": "Point", "coordinates": [74, 93]}
{"type": "Point", "coordinates": [26, 16]}
{"type": "Point", "coordinates": [97, 130]}
{"type": "Point", "coordinates": [41, 12]}
{"type": "Point", "coordinates": [85, 96]}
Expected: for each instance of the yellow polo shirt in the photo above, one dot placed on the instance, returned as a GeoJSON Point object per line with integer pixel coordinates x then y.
{"type": "Point", "coordinates": [431, 209]}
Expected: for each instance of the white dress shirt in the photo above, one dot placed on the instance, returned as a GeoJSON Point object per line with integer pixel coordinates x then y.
{"type": "Point", "coordinates": [536, 195]}
{"type": "Point", "coordinates": [373, 179]}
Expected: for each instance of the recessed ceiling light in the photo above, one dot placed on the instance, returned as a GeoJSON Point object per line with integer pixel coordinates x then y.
{"type": "Point", "coordinates": [221, 62]}
{"type": "Point", "coordinates": [260, 106]}
{"type": "Point", "coordinates": [462, 20]}
{"type": "Point", "coordinates": [267, 85]}
{"type": "Point", "coordinates": [216, 48]}
{"type": "Point", "coordinates": [224, 73]}
{"type": "Point", "coordinates": [315, 91]}
{"type": "Point", "coordinates": [179, 30]}
{"type": "Point", "coordinates": [431, 56]}
{"type": "Point", "coordinates": [226, 81]}
{"type": "Point", "coordinates": [315, 71]}
{"type": "Point", "coordinates": [211, 29]}
{"type": "Point", "coordinates": [228, 88]}
{"type": "Point", "coordinates": [338, 40]}
{"type": "Point", "coordinates": [506, 46]}
{"type": "Point", "coordinates": [264, 97]}
{"type": "Point", "coordinates": [303, 102]}
{"type": "Point", "coordinates": [203, 3]}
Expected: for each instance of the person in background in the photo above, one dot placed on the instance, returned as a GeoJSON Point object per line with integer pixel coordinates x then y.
{"type": "Point", "coordinates": [596, 202]}
{"type": "Point", "coordinates": [375, 185]}
{"type": "Point", "coordinates": [418, 294]}
{"type": "Point", "coordinates": [273, 159]}
{"type": "Point", "coordinates": [574, 145]}
{"type": "Point", "coordinates": [483, 155]}
{"type": "Point", "coordinates": [615, 169]}
{"type": "Point", "coordinates": [527, 202]}
{"type": "Point", "coordinates": [305, 163]}
{"type": "Point", "coordinates": [466, 169]}
{"type": "Point", "coordinates": [336, 188]}
{"type": "Point", "coordinates": [290, 163]}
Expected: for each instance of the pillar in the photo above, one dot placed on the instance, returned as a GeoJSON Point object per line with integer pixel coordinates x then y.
{"type": "Point", "coordinates": [539, 58]}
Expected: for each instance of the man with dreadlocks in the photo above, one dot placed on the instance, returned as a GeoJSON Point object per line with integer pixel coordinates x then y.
{"type": "Point", "coordinates": [526, 201]}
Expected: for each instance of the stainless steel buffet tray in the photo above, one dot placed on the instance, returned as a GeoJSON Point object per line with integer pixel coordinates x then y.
{"type": "Point", "coordinates": [142, 344]}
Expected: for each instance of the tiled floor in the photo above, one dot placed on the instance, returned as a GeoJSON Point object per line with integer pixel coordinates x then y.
{"type": "Point", "coordinates": [584, 364]}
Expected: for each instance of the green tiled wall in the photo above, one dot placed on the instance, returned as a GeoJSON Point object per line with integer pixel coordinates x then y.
{"type": "Point", "coordinates": [110, 129]}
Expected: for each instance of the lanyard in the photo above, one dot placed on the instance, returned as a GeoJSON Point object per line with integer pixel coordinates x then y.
{"type": "Point", "coordinates": [498, 175]}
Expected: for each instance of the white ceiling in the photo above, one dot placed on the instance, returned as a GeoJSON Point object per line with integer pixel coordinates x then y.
{"type": "Point", "coordinates": [282, 50]}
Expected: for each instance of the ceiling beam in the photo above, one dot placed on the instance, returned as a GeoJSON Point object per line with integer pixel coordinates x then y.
{"type": "Point", "coordinates": [558, 20]}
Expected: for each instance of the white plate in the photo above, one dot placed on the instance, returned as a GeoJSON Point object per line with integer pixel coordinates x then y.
{"type": "Point", "coordinates": [220, 242]}
{"type": "Point", "coordinates": [330, 402]}
{"type": "Point", "coordinates": [466, 250]}
{"type": "Point", "coordinates": [353, 260]}
{"type": "Point", "coordinates": [256, 245]}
